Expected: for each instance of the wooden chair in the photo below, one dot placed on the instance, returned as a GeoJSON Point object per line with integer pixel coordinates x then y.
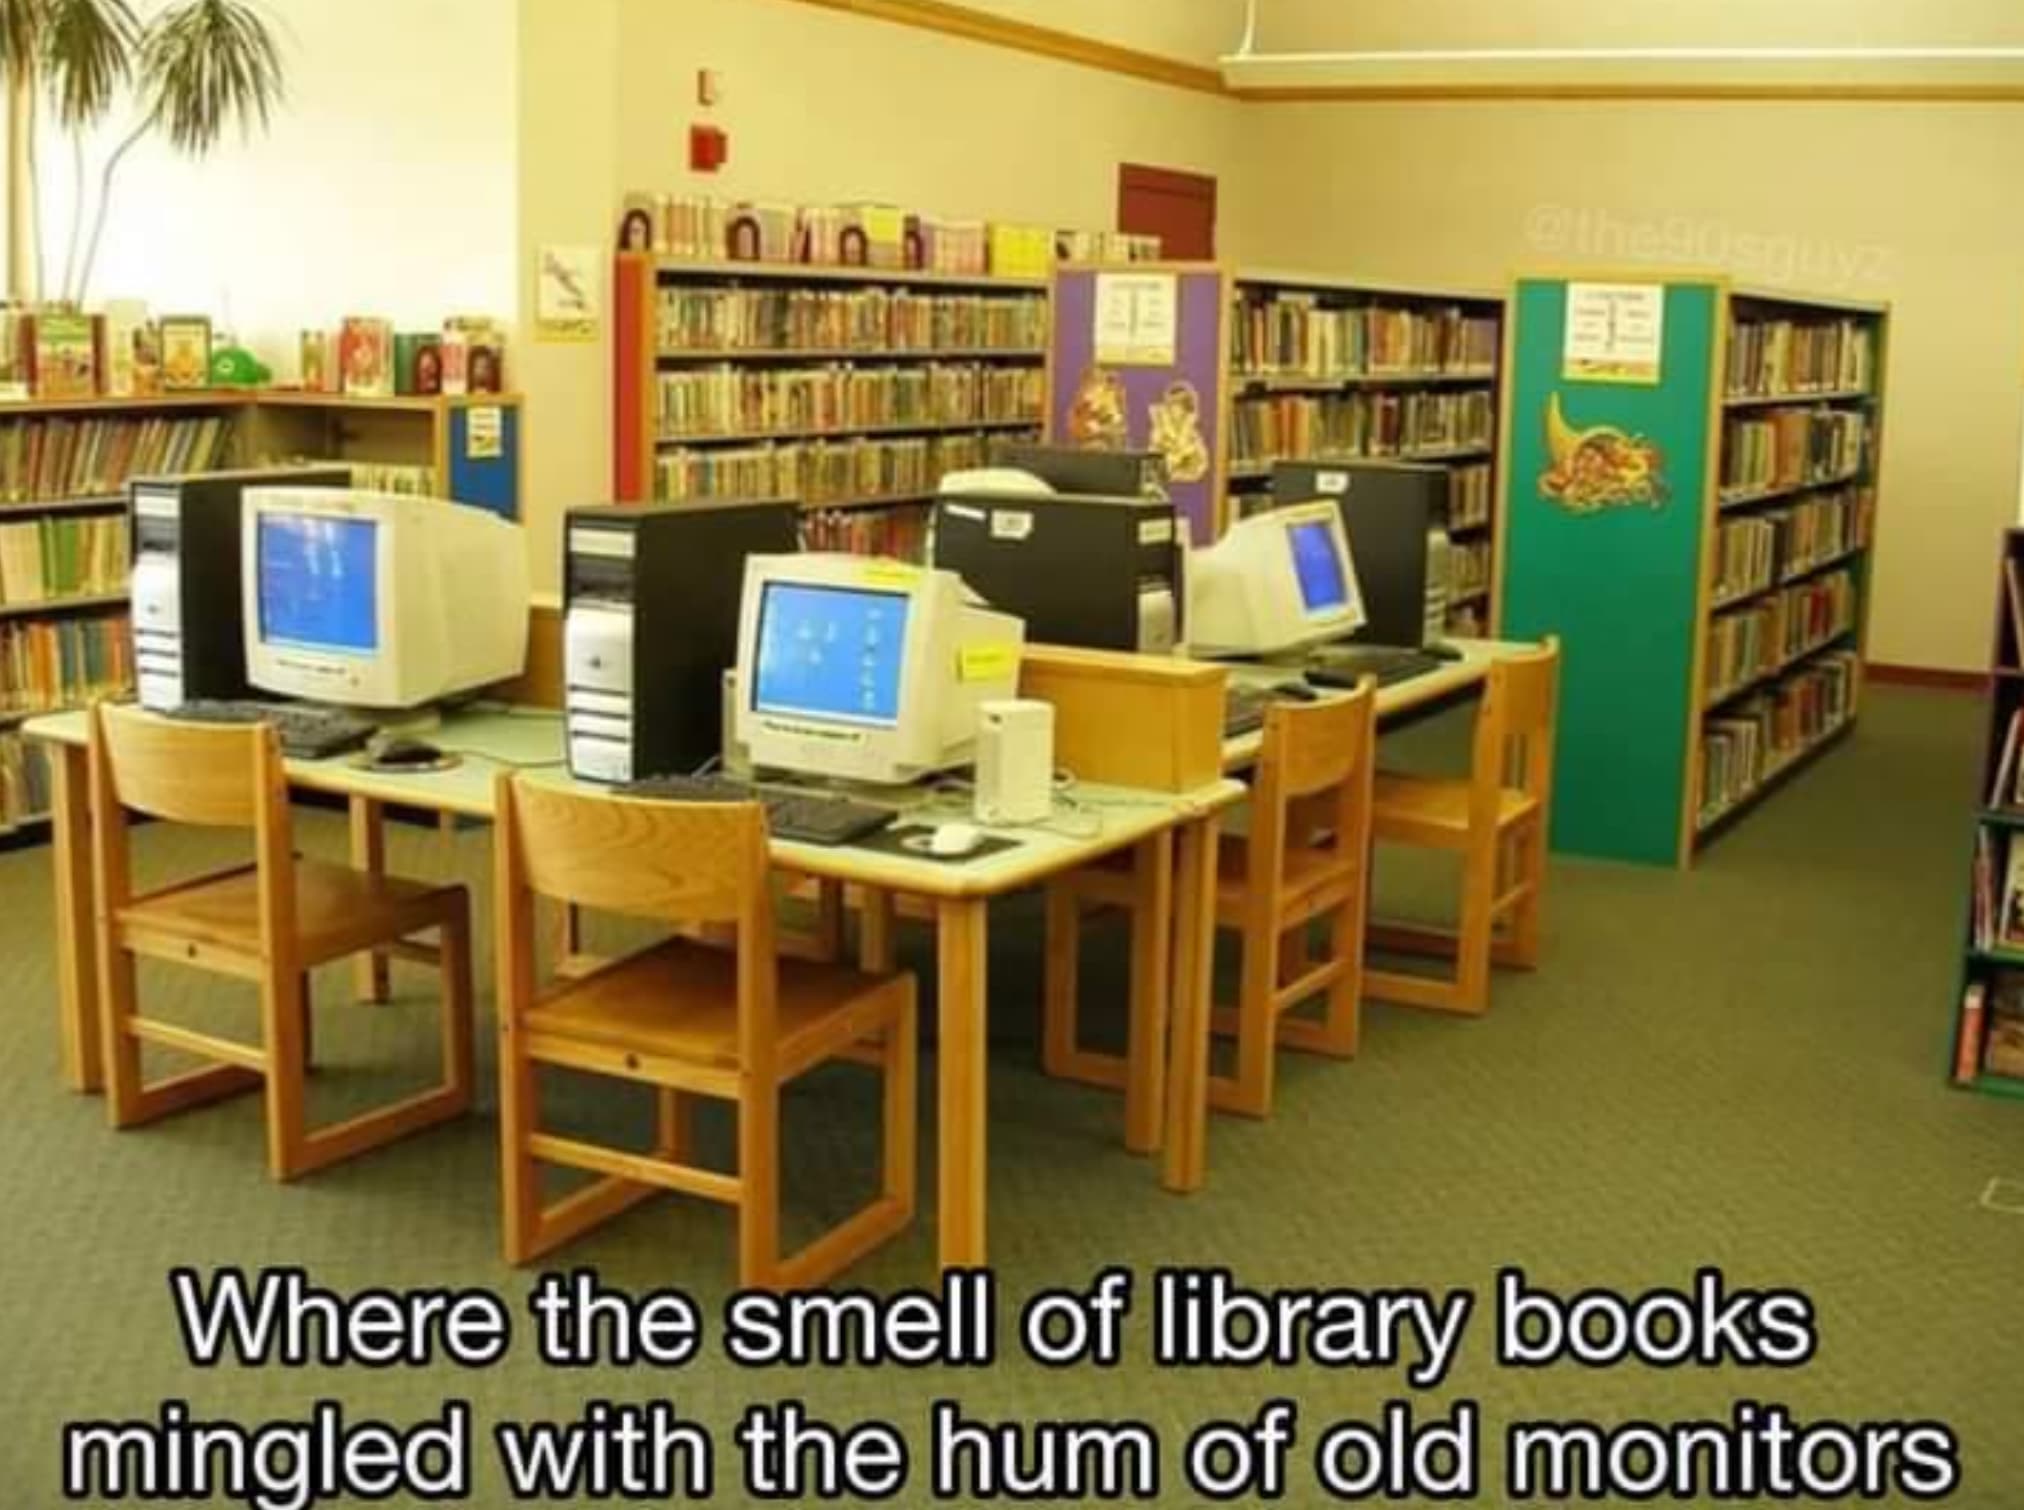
{"type": "Point", "coordinates": [270, 923]}
{"type": "Point", "coordinates": [1496, 819]}
{"type": "Point", "coordinates": [684, 1016]}
{"type": "Point", "coordinates": [1304, 860]}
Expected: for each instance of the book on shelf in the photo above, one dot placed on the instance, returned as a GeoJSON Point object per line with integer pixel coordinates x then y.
{"type": "Point", "coordinates": [1753, 641]}
{"type": "Point", "coordinates": [50, 458]}
{"type": "Point", "coordinates": [1789, 447]}
{"type": "Point", "coordinates": [1747, 744]}
{"type": "Point", "coordinates": [816, 472]}
{"type": "Point", "coordinates": [365, 357]}
{"type": "Point", "coordinates": [2010, 919]}
{"type": "Point", "coordinates": [1969, 1035]}
{"type": "Point", "coordinates": [57, 663]}
{"type": "Point", "coordinates": [17, 355]}
{"type": "Point", "coordinates": [1374, 423]}
{"type": "Point", "coordinates": [24, 780]}
{"type": "Point", "coordinates": [1297, 334]}
{"type": "Point", "coordinates": [730, 400]}
{"type": "Point", "coordinates": [66, 355]}
{"type": "Point", "coordinates": [123, 323]}
{"type": "Point", "coordinates": [56, 558]}
{"type": "Point", "coordinates": [2013, 598]}
{"type": "Point", "coordinates": [1770, 355]}
{"type": "Point", "coordinates": [2002, 1047]}
{"type": "Point", "coordinates": [872, 320]}
{"type": "Point", "coordinates": [900, 534]}
{"type": "Point", "coordinates": [1469, 496]}
{"type": "Point", "coordinates": [1468, 568]}
{"type": "Point", "coordinates": [2003, 789]}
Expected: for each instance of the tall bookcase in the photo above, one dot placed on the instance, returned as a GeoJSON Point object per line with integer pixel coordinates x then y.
{"type": "Point", "coordinates": [65, 556]}
{"type": "Point", "coordinates": [850, 389]}
{"type": "Point", "coordinates": [1986, 1047]}
{"type": "Point", "coordinates": [1689, 503]}
{"type": "Point", "coordinates": [1325, 368]}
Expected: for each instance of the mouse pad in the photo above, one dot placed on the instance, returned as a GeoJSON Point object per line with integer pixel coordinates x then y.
{"type": "Point", "coordinates": [901, 839]}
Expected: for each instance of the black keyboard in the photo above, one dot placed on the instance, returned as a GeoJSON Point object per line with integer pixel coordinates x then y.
{"type": "Point", "coordinates": [1244, 710]}
{"type": "Point", "coordinates": [307, 732]}
{"type": "Point", "coordinates": [804, 817]}
{"type": "Point", "coordinates": [1390, 667]}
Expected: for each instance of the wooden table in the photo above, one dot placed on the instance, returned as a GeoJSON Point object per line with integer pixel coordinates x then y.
{"type": "Point", "coordinates": [1107, 820]}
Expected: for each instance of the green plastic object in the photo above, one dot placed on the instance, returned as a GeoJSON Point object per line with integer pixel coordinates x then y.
{"type": "Point", "coordinates": [236, 367]}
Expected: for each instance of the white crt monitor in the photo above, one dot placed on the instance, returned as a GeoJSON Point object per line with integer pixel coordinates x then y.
{"type": "Point", "coordinates": [866, 670]}
{"type": "Point", "coordinates": [1280, 580]}
{"type": "Point", "coordinates": [377, 601]}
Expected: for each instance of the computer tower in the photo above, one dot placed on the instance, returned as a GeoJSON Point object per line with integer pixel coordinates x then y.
{"type": "Point", "coordinates": [1389, 512]}
{"type": "Point", "coordinates": [1098, 474]}
{"type": "Point", "coordinates": [650, 626]}
{"type": "Point", "coordinates": [1104, 573]}
{"type": "Point", "coordinates": [189, 626]}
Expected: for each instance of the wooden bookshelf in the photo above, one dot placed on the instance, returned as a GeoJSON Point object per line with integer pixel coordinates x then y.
{"type": "Point", "coordinates": [1698, 531]}
{"type": "Point", "coordinates": [735, 362]}
{"type": "Point", "coordinates": [1309, 379]}
{"type": "Point", "coordinates": [1992, 956]}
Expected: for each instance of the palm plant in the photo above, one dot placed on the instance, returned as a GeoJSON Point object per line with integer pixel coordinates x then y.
{"type": "Point", "coordinates": [195, 68]}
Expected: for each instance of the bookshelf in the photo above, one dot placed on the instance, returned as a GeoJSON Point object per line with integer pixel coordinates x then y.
{"type": "Point", "coordinates": [851, 389]}
{"type": "Point", "coordinates": [1690, 505]}
{"type": "Point", "coordinates": [1325, 368]}
{"type": "Point", "coordinates": [65, 552]}
{"type": "Point", "coordinates": [1986, 1045]}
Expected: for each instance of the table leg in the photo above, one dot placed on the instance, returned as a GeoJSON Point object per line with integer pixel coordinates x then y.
{"type": "Point", "coordinates": [876, 951]}
{"type": "Point", "coordinates": [1152, 919]}
{"type": "Point", "coordinates": [76, 955]}
{"type": "Point", "coordinates": [961, 942]}
{"type": "Point", "coordinates": [369, 854]}
{"type": "Point", "coordinates": [1185, 1164]}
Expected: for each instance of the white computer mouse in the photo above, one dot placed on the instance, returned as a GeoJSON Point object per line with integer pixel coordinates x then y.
{"type": "Point", "coordinates": [954, 840]}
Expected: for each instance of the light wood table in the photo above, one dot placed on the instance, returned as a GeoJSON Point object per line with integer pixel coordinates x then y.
{"type": "Point", "coordinates": [1105, 820]}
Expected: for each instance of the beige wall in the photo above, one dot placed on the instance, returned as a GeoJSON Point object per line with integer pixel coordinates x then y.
{"type": "Point", "coordinates": [1910, 203]}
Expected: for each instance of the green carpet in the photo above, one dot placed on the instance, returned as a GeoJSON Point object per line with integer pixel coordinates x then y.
{"type": "Point", "coordinates": [1738, 1067]}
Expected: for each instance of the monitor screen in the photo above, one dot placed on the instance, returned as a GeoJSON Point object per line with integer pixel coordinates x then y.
{"type": "Point", "coordinates": [319, 583]}
{"type": "Point", "coordinates": [831, 652]}
{"type": "Point", "coordinates": [1318, 564]}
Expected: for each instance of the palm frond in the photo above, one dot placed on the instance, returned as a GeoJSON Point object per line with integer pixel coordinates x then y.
{"type": "Point", "coordinates": [87, 56]}
{"type": "Point", "coordinates": [206, 65]}
{"type": "Point", "coordinates": [21, 24]}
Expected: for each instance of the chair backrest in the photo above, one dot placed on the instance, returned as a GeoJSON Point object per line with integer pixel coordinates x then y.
{"type": "Point", "coordinates": [208, 775]}
{"type": "Point", "coordinates": [1514, 729]}
{"type": "Point", "coordinates": [1312, 792]}
{"type": "Point", "coordinates": [679, 863]}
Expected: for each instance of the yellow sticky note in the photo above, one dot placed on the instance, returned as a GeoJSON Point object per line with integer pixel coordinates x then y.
{"type": "Point", "coordinates": [987, 663]}
{"type": "Point", "coordinates": [890, 574]}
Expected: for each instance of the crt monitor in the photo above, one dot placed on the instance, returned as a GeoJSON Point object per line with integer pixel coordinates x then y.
{"type": "Point", "coordinates": [377, 601]}
{"type": "Point", "coordinates": [1389, 516]}
{"type": "Point", "coordinates": [1278, 581]}
{"type": "Point", "coordinates": [866, 670]}
{"type": "Point", "coordinates": [1077, 469]}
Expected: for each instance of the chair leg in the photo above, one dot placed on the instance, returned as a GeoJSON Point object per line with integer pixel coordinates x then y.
{"type": "Point", "coordinates": [519, 1175]}
{"type": "Point", "coordinates": [460, 1075]}
{"type": "Point", "coordinates": [1248, 1092]}
{"type": "Point", "coordinates": [1474, 937]}
{"type": "Point", "coordinates": [1520, 948]}
{"type": "Point", "coordinates": [902, 1090]}
{"type": "Point", "coordinates": [122, 1051]}
{"type": "Point", "coordinates": [674, 1125]}
{"type": "Point", "coordinates": [1061, 981]}
{"type": "Point", "coordinates": [283, 1006]}
{"type": "Point", "coordinates": [759, 1185]}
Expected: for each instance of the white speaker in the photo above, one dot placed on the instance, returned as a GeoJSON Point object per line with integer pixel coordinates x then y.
{"type": "Point", "coordinates": [1015, 761]}
{"type": "Point", "coordinates": [737, 760]}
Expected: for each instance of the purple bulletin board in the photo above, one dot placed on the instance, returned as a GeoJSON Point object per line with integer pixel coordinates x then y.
{"type": "Point", "coordinates": [1179, 409]}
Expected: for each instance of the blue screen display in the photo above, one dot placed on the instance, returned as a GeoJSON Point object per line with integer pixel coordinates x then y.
{"type": "Point", "coordinates": [1318, 564]}
{"type": "Point", "coordinates": [319, 583]}
{"type": "Point", "coordinates": [831, 652]}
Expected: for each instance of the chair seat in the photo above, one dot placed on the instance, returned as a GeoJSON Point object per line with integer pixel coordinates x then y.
{"type": "Point", "coordinates": [679, 1000]}
{"type": "Point", "coordinates": [1415, 806]}
{"type": "Point", "coordinates": [338, 911]}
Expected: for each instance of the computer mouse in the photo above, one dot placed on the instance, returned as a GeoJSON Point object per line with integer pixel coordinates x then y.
{"type": "Point", "coordinates": [951, 841]}
{"type": "Point", "coordinates": [402, 751]}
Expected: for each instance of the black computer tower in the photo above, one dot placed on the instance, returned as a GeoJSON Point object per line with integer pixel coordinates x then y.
{"type": "Point", "coordinates": [1091, 474]}
{"type": "Point", "coordinates": [1104, 573]}
{"type": "Point", "coordinates": [650, 626]}
{"type": "Point", "coordinates": [1389, 512]}
{"type": "Point", "coordinates": [189, 622]}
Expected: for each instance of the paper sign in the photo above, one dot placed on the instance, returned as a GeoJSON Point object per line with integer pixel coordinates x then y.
{"type": "Point", "coordinates": [1137, 319]}
{"type": "Point", "coordinates": [987, 663]}
{"type": "Point", "coordinates": [1615, 332]}
{"type": "Point", "coordinates": [1011, 524]}
{"type": "Point", "coordinates": [484, 432]}
{"type": "Point", "coordinates": [566, 293]}
{"type": "Point", "coordinates": [889, 574]}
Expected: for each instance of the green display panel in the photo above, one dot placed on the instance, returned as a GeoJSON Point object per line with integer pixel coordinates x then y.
{"type": "Point", "coordinates": [1604, 488]}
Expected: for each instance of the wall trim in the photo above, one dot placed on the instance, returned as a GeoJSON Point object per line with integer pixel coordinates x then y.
{"type": "Point", "coordinates": [1040, 41]}
{"type": "Point", "coordinates": [1938, 678]}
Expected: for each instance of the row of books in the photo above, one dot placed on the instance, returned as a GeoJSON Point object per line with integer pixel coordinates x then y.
{"type": "Point", "coordinates": [1757, 640]}
{"type": "Point", "coordinates": [1468, 568]}
{"type": "Point", "coordinates": [1297, 427]}
{"type": "Point", "coordinates": [24, 781]}
{"type": "Point", "coordinates": [1469, 496]}
{"type": "Point", "coordinates": [732, 400]}
{"type": "Point", "coordinates": [1750, 743]}
{"type": "Point", "coordinates": [817, 472]}
{"type": "Point", "coordinates": [1786, 448]}
{"type": "Point", "coordinates": [59, 353]}
{"type": "Point", "coordinates": [1290, 334]}
{"type": "Point", "coordinates": [52, 458]}
{"type": "Point", "coordinates": [58, 663]}
{"type": "Point", "coordinates": [63, 557]}
{"type": "Point", "coordinates": [1992, 1010]}
{"type": "Point", "coordinates": [2006, 787]}
{"type": "Point", "coordinates": [1468, 622]}
{"type": "Point", "coordinates": [1780, 355]}
{"type": "Point", "coordinates": [1754, 552]}
{"type": "Point", "coordinates": [899, 534]}
{"type": "Point", "coordinates": [871, 320]}
{"type": "Point", "coordinates": [708, 229]}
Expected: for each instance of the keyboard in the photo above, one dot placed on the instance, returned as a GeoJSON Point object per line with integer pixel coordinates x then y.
{"type": "Point", "coordinates": [1244, 710]}
{"type": "Point", "coordinates": [1390, 667]}
{"type": "Point", "coordinates": [307, 732]}
{"type": "Point", "coordinates": [804, 817]}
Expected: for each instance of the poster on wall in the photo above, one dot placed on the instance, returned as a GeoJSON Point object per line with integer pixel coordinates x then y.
{"type": "Point", "coordinates": [1615, 333]}
{"type": "Point", "coordinates": [566, 293]}
{"type": "Point", "coordinates": [1108, 393]}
